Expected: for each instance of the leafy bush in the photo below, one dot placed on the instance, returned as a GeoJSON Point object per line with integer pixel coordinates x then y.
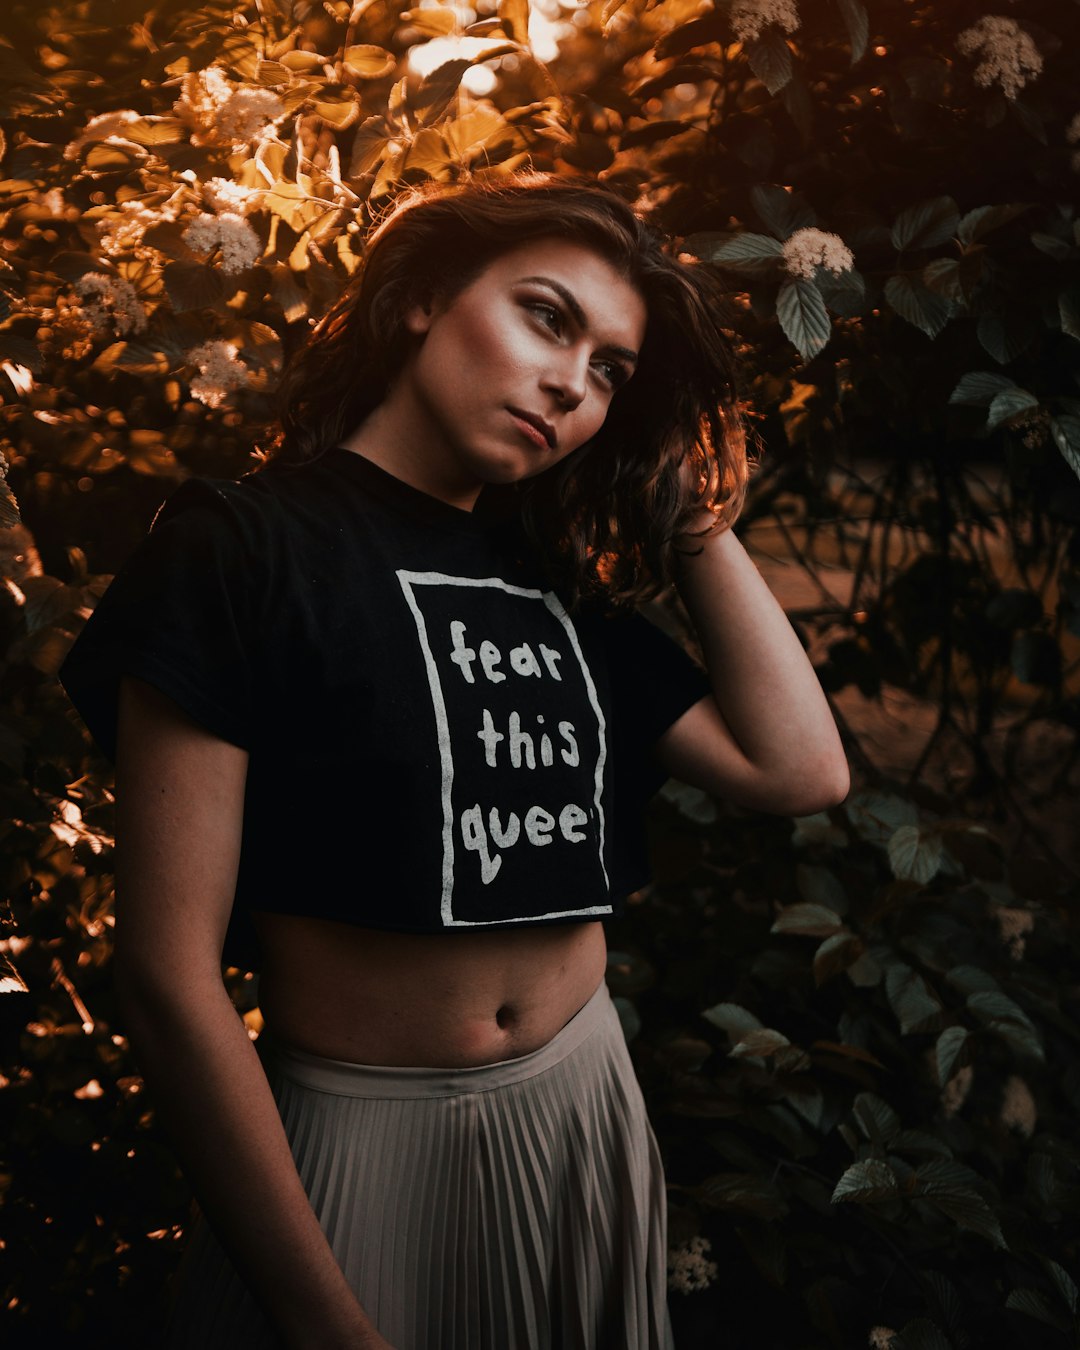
{"type": "Point", "coordinates": [878, 1127]}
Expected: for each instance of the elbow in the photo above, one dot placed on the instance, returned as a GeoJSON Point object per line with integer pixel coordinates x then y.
{"type": "Point", "coordinates": [822, 785]}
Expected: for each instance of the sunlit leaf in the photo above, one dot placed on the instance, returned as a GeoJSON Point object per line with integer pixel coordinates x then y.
{"type": "Point", "coordinates": [807, 920]}
{"type": "Point", "coordinates": [367, 62]}
{"type": "Point", "coordinates": [192, 285]}
{"type": "Point", "coordinates": [770, 59]}
{"type": "Point", "coordinates": [433, 21]}
{"type": "Point", "coordinates": [514, 17]}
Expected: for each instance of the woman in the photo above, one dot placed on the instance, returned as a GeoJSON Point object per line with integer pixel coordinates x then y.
{"type": "Point", "coordinates": [388, 654]}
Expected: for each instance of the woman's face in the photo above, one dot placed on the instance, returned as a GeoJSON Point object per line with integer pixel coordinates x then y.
{"type": "Point", "coordinates": [546, 335]}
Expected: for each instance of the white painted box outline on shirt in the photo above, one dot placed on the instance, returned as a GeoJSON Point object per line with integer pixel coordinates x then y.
{"type": "Point", "coordinates": [409, 581]}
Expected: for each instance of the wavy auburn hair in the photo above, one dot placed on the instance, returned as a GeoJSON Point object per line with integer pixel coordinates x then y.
{"type": "Point", "coordinates": [604, 518]}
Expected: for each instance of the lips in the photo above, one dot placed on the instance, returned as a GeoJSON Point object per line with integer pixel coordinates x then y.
{"type": "Point", "coordinates": [544, 428]}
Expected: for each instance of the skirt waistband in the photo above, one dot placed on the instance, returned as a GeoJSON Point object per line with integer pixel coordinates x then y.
{"type": "Point", "coordinates": [346, 1079]}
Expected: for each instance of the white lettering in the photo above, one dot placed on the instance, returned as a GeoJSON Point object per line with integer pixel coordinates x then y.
{"type": "Point", "coordinates": [518, 740]}
{"type": "Point", "coordinates": [509, 836]}
{"type": "Point", "coordinates": [571, 756]}
{"type": "Point", "coordinates": [490, 656]}
{"type": "Point", "coordinates": [550, 656]}
{"type": "Point", "coordinates": [570, 816]}
{"type": "Point", "coordinates": [523, 660]}
{"type": "Point", "coordinates": [475, 840]}
{"type": "Point", "coordinates": [538, 825]}
{"type": "Point", "coordinates": [461, 655]}
{"type": "Point", "coordinates": [491, 739]}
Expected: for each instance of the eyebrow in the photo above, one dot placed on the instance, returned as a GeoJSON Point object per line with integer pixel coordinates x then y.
{"type": "Point", "coordinates": [580, 317]}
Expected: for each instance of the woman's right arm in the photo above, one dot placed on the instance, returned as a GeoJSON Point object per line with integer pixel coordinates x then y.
{"type": "Point", "coordinates": [179, 817]}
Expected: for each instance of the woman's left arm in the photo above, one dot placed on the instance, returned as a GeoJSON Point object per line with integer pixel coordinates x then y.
{"type": "Point", "coordinates": [766, 738]}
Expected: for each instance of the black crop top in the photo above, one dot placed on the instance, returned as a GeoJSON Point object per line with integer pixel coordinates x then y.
{"type": "Point", "coordinates": [434, 743]}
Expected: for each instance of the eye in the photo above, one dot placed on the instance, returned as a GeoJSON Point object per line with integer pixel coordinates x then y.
{"type": "Point", "coordinates": [616, 374]}
{"type": "Point", "coordinates": [552, 310]}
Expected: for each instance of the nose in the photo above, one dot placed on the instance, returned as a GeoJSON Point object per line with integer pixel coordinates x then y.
{"type": "Point", "coordinates": [567, 377]}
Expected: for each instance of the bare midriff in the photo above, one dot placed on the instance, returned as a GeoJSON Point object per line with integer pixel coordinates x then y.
{"type": "Point", "coordinates": [439, 1000]}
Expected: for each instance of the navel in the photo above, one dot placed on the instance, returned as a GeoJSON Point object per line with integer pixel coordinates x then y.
{"type": "Point", "coordinates": [504, 1016]}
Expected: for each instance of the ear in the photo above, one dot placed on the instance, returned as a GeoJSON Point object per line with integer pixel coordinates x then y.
{"type": "Point", "coordinates": [418, 318]}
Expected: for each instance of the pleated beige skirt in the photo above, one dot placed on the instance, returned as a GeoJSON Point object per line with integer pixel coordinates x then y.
{"type": "Point", "coordinates": [510, 1206]}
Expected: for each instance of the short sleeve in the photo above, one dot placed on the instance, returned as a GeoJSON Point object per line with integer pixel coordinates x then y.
{"type": "Point", "coordinates": [180, 614]}
{"type": "Point", "coordinates": [653, 679]}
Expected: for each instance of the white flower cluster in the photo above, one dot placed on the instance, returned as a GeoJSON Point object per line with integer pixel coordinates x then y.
{"type": "Point", "coordinates": [215, 110]}
{"type": "Point", "coordinates": [881, 1338]}
{"type": "Point", "coordinates": [1072, 135]}
{"type": "Point", "coordinates": [104, 127]}
{"type": "Point", "coordinates": [1018, 1110]}
{"type": "Point", "coordinates": [1009, 55]}
{"type": "Point", "coordinates": [123, 233]}
{"type": "Point", "coordinates": [749, 17]}
{"type": "Point", "coordinates": [687, 1267]}
{"type": "Point", "coordinates": [1014, 923]}
{"type": "Point", "coordinates": [237, 241]}
{"type": "Point", "coordinates": [219, 371]}
{"type": "Point", "coordinates": [809, 248]}
{"type": "Point", "coordinates": [222, 194]}
{"type": "Point", "coordinates": [955, 1091]}
{"type": "Point", "coordinates": [110, 303]}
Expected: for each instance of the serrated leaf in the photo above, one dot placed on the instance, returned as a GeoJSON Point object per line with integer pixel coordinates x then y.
{"type": "Point", "coordinates": [876, 1118]}
{"type": "Point", "coordinates": [1005, 337]}
{"type": "Point", "coordinates": [1063, 1282]}
{"type": "Point", "coordinates": [915, 854]}
{"type": "Point", "coordinates": [780, 211]}
{"type": "Point", "coordinates": [922, 1334]}
{"type": "Point", "coordinates": [920, 1142]}
{"type": "Point", "coordinates": [983, 219]}
{"type": "Point", "coordinates": [1008, 404]}
{"type": "Point", "coordinates": [1069, 311]}
{"type": "Point", "coordinates": [971, 980]}
{"type": "Point", "coordinates": [910, 997]}
{"type": "Point", "coordinates": [770, 59]}
{"type": "Point", "coordinates": [1065, 430]}
{"type": "Point", "coordinates": [979, 388]}
{"type": "Point", "coordinates": [970, 1211]}
{"type": "Point", "coordinates": [744, 249]}
{"type": "Point", "coordinates": [803, 316]}
{"type": "Point", "coordinates": [732, 1018]}
{"type": "Point", "coordinates": [1035, 1304]}
{"type": "Point", "coordinates": [924, 308]}
{"type": "Point", "coordinates": [926, 224]}
{"type": "Point", "coordinates": [877, 815]}
{"type": "Point", "coordinates": [836, 954]}
{"type": "Point", "coordinates": [866, 1181]}
{"type": "Point", "coordinates": [434, 21]}
{"type": "Point", "coordinates": [845, 294]}
{"type": "Point", "coordinates": [808, 920]}
{"type": "Point", "coordinates": [939, 1176]}
{"type": "Point", "coordinates": [947, 1050]}
{"type": "Point", "coordinates": [742, 1192]}
{"type": "Point", "coordinates": [821, 886]}
{"type": "Point", "coordinates": [858, 27]}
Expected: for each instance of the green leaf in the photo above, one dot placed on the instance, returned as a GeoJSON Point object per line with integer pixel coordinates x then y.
{"type": "Point", "coordinates": [910, 998]}
{"type": "Point", "coordinates": [1063, 1282]}
{"type": "Point", "coordinates": [1065, 429]}
{"type": "Point", "coordinates": [866, 1181]}
{"type": "Point", "coordinates": [836, 954]}
{"type": "Point", "coordinates": [1008, 1020]}
{"type": "Point", "coordinates": [922, 1334]}
{"type": "Point", "coordinates": [803, 316]}
{"type": "Point", "coordinates": [821, 886]}
{"type": "Point", "coordinates": [940, 1176]}
{"type": "Point", "coordinates": [972, 980]}
{"type": "Point", "coordinates": [924, 308]}
{"type": "Point", "coordinates": [969, 1210]}
{"type": "Point", "coordinates": [983, 219]}
{"type": "Point", "coordinates": [845, 294]}
{"type": "Point", "coordinates": [926, 224]}
{"type": "Point", "coordinates": [1069, 311]}
{"type": "Point", "coordinates": [915, 854]}
{"type": "Point", "coordinates": [1035, 1304]}
{"type": "Point", "coordinates": [745, 249]}
{"type": "Point", "coordinates": [743, 1193]}
{"type": "Point", "coordinates": [514, 16]}
{"type": "Point", "coordinates": [876, 1118]}
{"type": "Point", "coordinates": [732, 1018]}
{"type": "Point", "coordinates": [781, 211]}
{"type": "Point", "coordinates": [770, 59]}
{"type": "Point", "coordinates": [877, 815]}
{"type": "Point", "coordinates": [1009, 403]}
{"type": "Point", "coordinates": [1006, 336]}
{"type": "Point", "coordinates": [947, 1050]}
{"type": "Point", "coordinates": [858, 26]}
{"type": "Point", "coordinates": [979, 388]}
{"type": "Point", "coordinates": [192, 285]}
{"type": "Point", "coordinates": [808, 920]}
